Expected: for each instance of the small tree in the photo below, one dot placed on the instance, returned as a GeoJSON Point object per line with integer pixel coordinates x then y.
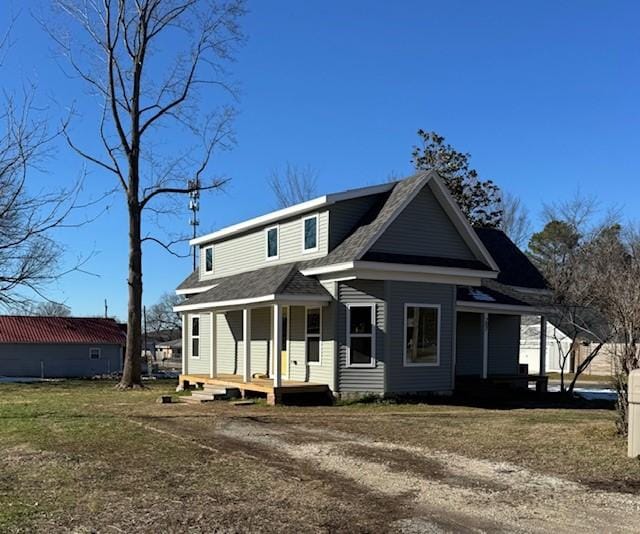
{"type": "Point", "coordinates": [293, 185]}
{"type": "Point", "coordinates": [478, 199]}
{"type": "Point", "coordinates": [114, 47]}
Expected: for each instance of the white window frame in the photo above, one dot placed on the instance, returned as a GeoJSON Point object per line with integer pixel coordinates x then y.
{"type": "Point", "coordinates": [436, 307]}
{"type": "Point", "coordinates": [307, 336]}
{"type": "Point", "coordinates": [266, 242]}
{"type": "Point", "coordinates": [373, 361]}
{"type": "Point", "coordinates": [192, 337]}
{"type": "Point", "coordinates": [205, 250]}
{"type": "Point", "coordinates": [91, 349]}
{"type": "Point", "coordinates": [314, 249]}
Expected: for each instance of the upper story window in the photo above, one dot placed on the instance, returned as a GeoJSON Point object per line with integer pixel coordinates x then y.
{"type": "Point", "coordinates": [272, 238]}
{"type": "Point", "coordinates": [195, 337]}
{"type": "Point", "coordinates": [361, 335]}
{"type": "Point", "coordinates": [310, 233]}
{"type": "Point", "coordinates": [421, 334]}
{"type": "Point", "coordinates": [208, 260]}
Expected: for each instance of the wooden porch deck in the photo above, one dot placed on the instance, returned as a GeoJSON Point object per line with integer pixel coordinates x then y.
{"type": "Point", "coordinates": [257, 385]}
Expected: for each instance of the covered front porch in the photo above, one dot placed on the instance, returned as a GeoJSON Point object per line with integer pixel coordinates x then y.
{"type": "Point", "coordinates": [270, 340]}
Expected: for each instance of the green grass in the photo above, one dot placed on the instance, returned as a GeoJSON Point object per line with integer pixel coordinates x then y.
{"type": "Point", "coordinates": [568, 377]}
{"type": "Point", "coordinates": [76, 455]}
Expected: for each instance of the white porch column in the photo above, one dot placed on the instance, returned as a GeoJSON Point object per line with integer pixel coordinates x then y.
{"type": "Point", "coordinates": [213, 364]}
{"type": "Point", "coordinates": [185, 347]}
{"type": "Point", "coordinates": [485, 345]}
{"type": "Point", "coordinates": [246, 343]}
{"type": "Point", "coordinates": [543, 346]}
{"type": "Point", "coordinates": [277, 343]}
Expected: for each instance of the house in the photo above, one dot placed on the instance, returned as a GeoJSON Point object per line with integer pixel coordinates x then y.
{"type": "Point", "coordinates": [384, 289]}
{"type": "Point", "coordinates": [168, 350]}
{"type": "Point", "coordinates": [59, 347]}
{"type": "Point", "coordinates": [561, 352]}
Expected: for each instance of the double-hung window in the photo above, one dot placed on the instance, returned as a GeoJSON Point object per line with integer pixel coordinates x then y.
{"type": "Point", "coordinates": [208, 260]}
{"type": "Point", "coordinates": [361, 334]}
{"type": "Point", "coordinates": [195, 337]}
{"type": "Point", "coordinates": [94, 353]}
{"type": "Point", "coordinates": [421, 334]}
{"type": "Point", "coordinates": [272, 237]}
{"type": "Point", "coordinates": [314, 328]}
{"type": "Point", "coordinates": [310, 233]}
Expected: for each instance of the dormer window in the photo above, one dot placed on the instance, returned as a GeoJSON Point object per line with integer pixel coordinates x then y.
{"type": "Point", "coordinates": [272, 237]}
{"type": "Point", "coordinates": [208, 260]}
{"type": "Point", "coordinates": [310, 233]}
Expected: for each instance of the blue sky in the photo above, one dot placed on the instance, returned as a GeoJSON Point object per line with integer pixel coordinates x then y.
{"type": "Point", "coordinates": [544, 95]}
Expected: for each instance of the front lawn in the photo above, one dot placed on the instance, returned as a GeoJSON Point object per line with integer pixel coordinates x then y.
{"type": "Point", "coordinates": [79, 455]}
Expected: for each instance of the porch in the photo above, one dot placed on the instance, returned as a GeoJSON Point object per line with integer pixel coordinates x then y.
{"type": "Point", "coordinates": [275, 395]}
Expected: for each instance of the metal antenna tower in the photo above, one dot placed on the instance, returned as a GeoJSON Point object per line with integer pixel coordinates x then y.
{"type": "Point", "coordinates": [194, 207]}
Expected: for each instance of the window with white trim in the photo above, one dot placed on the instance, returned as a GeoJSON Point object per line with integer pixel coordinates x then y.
{"type": "Point", "coordinates": [195, 337]}
{"type": "Point", "coordinates": [272, 237]}
{"type": "Point", "coordinates": [421, 334]}
{"type": "Point", "coordinates": [310, 233]}
{"type": "Point", "coordinates": [361, 335]}
{"type": "Point", "coordinates": [314, 328]}
{"type": "Point", "coordinates": [94, 353]}
{"type": "Point", "coordinates": [208, 260]}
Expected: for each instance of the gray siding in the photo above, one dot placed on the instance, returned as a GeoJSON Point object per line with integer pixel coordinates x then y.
{"type": "Point", "coordinates": [247, 252]}
{"type": "Point", "coordinates": [469, 344]}
{"type": "Point", "coordinates": [345, 215]}
{"type": "Point", "coordinates": [419, 379]}
{"type": "Point", "coordinates": [504, 344]}
{"type": "Point", "coordinates": [424, 229]}
{"type": "Point", "coordinates": [58, 361]}
{"type": "Point", "coordinates": [358, 379]}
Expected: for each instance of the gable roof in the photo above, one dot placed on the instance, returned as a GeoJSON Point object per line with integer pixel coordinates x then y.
{"type": "Point", "coordinates": [60, 330]}
{"type": "Point", "coordinates": [356, 246]}
{"type": "Point", "coordinates": [515, 267]}
{"type": "Point", "coordinates": [276, 280]}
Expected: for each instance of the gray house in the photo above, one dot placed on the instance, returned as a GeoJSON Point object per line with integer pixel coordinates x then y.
{"type": "Point", "coordinates": [385, 289]}
{"type": "Point", "coordinates": [59, 347]}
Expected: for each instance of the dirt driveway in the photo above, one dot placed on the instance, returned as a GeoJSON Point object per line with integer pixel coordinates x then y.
{"type": "Point", "coordinates": [386, 486]}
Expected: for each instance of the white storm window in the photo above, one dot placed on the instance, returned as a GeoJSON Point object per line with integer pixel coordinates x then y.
{"type": "Point", "coordinates": [195, 337]}
{"type": "Point", "coordinates": [361, 334]}
{"type": "Point", "coordinates": [272, 237]}
{"type": "Point", "coordinates": [208, 260]}
{"type": "Point", "coordinates": [421, 335]}
{"type": "Point", "coordinates": [310, 233]}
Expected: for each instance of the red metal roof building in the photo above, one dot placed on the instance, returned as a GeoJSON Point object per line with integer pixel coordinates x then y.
{"type": "Point", "coordinates": [26, 329]}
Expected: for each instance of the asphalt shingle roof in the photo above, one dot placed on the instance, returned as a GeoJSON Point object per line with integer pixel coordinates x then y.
{"type": "Point", "coordinates": [515, 268]}
{"type": "Point", "coordinates": [486, 295]}
{"type": "Point", "coordinates": [52, 330]}
{"type": "Point", "coordinates": [273, 280]}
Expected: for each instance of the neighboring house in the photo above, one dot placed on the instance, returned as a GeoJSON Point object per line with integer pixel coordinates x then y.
{"type": "Point", "coordinates": [59, 347]}
{"type": "Point", "coordinates": [168, 350]}
{"type": "Point", "coordinates": [385, 289]}
{"type": "Point", "coordinates": [559, 350]}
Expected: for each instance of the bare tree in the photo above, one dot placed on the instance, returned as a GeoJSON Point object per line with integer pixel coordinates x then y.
{"type": "Point", "coordinates": [515, 219]}
{"type": "Point", "coordinates": [149, 63]}
{"type": "Point", "coordinates": [293, 185]}
{"type": "Point", "coordinates": [161, 317]}
{"type": "Point", "coordinates": [49, 309]}
{"type": "Point", "coordinates": [29, 256]}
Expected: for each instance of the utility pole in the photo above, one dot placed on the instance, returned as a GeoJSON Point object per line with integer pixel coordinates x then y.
{"type": "Point", "coordinates": [194, 206]}
{"type": "Point", "coordinates": [106, 309]}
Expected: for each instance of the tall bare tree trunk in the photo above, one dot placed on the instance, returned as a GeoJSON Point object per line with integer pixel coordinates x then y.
{"type": "Point", "coordinates": [131, 374]}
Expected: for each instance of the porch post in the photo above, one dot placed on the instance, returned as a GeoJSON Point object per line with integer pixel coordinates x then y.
{"type": "Point", "coordinates": [246, 344]}
{"type": "Point", "coordinates": [277, 343]}
{"type": "Point", "coordinates": [543, 346]}
{"type": "Point", "coordinates": [213, 364]}
{"type": "Point", "coordinates": [485, 344]}
{"type": "Point", "coordinates": [185, 338]}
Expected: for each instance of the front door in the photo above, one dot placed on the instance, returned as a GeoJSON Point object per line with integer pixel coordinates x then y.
{"type": "Point", "coordinates": [284, 356]}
